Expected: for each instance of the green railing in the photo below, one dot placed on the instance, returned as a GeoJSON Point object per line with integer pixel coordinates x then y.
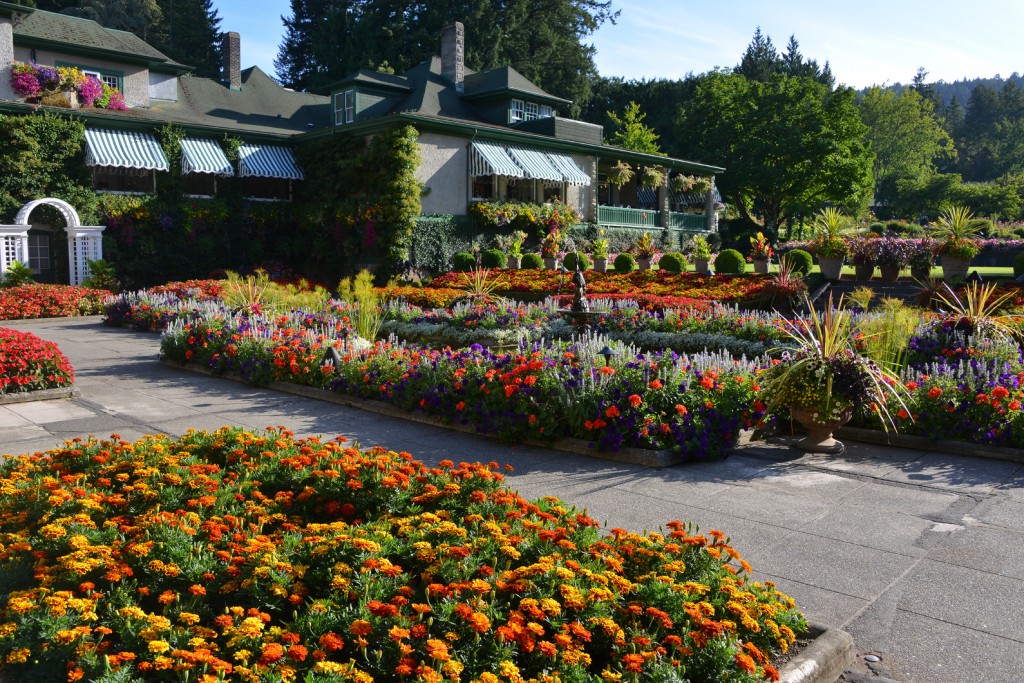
{"type": "Point", "coordinates": [626, 217]}
{"type": "Point", "coordinates": [687, 221]}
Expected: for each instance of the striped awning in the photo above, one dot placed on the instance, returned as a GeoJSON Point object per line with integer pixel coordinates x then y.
{"type": "Point", "coordinates": [268, 161]}
{"type": "Point", "coordinates": [535, 163]}
{"type": "Point", "coordinates": [694, 197]}
{"type": "Point", "coordinates": [571, 172]}
{"type": "Point", "coordinates": [201, 155]}
{"type": "Point", "coordinates": [489, 158]}
{"type": "Point", "coordinates": [647, 197]}
{"type": "Point", "coordinates": [123, 149]}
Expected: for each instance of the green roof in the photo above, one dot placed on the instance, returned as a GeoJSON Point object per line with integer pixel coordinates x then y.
{"type": "Point", "coordinates": [502, 80]}
{"type": "Point", "coordinates": [373, 79]}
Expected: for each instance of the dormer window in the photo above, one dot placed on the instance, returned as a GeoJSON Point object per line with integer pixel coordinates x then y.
{"type": "Point", "coordinates": [546, 112]}
{"type": "Point", "coordinates": [516, 111]}
{"type": "Point", "coordinates": [344, 107]}
{"type": "Point", "coordinates": [531, 110]}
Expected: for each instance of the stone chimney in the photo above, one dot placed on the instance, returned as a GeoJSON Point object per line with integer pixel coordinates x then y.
{"type": "Point", "coordinates": [453, 48]}
{"type": "Point", "coordinates": [6, 58]}
{"type": "Point", "coordinates": [231, 48]}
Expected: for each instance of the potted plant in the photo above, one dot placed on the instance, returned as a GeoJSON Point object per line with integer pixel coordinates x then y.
{"type": "Point", "coordinates": [644, 249]}
{"type": "Point", "coordinates": [549, 248]}
{"type": "Point", "coordinates": [828, 244]}
{"type": "Point", "coordinates": [921, 257]}
{"type": "Point", "coordinates": [956, 233]}
{"type": "Point", "coordinates": [891, 256]}
{"type": "Point", "coordinates": [824, 379]}
{"type": "Point", "coordinates": [652, 176]}
{"type": "Point", "coordinates": [760, 252]}
{"type": "Point", "coordinates": [701, 254]}
{"type": "Point", "coordinates": [862, 255]}
{"type": "Point", "coordinates": [514, 248]}
{"type": "Point", "coordinates": [620, 174]}
{"type": "Point", "coordinates": [599, 250]}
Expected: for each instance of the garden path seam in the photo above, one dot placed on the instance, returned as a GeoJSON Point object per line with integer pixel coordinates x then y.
{"type": "Point", "coordinates": [40, 395]}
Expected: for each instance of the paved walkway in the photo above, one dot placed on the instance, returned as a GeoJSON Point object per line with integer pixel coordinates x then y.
{"type": "Point", "coordinates": [920, 556]}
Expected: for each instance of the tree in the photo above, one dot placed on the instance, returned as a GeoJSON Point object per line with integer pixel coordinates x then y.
{"type": "Point", "coordinates": [761, 60]}
{"type": "Point", "coordinates": [141, 17]}
{"type": "Point", "coordinates": [905, 136]}
{"type": "Point", "coordinates": [789, 144]}
{"type": "Point", "coordinates": [190, 34]}
{"type": "Point", "coordinates": [631, 133]}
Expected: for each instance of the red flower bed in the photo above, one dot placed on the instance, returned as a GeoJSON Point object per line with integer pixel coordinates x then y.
{"type": "Point", "coordinates": [49, 301]}
{"type": "Point", "coordinates": [198, 289]}
{"type": "Point", "coordinates": [28, 363]}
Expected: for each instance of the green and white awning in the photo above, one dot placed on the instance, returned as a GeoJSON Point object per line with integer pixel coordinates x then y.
{"type": "Point", "coordinates": [201, 155]}
{"type": "Point", "coordinates": [123, 149]}
{"type": "Point", "coordinates": [535, 163]}
{"type": "Point", "coordinates": [489, 158]}
{"type": "Point", "coordinates": [268, 161]}
{"type": "Point", "coordinates": [571, 172]}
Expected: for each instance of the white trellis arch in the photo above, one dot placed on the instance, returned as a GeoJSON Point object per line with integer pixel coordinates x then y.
{"type": "Point", "coordinates": [85, 242]}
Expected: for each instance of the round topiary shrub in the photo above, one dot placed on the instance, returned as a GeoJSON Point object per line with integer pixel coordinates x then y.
{"type": "Point", "coordinates": [493, 258]}
{"type": "Point", "coordinates": [800, 261]}
{"type": "Point", "coordinates": [730, 261]}
{"type": "Point", "coordinates": [570, 261]}
{"type": "Point", "coordinates": [624, 263]}
{"type": "Point", "coordinates": [531, 261]}
{"type": "Point", "coordinates": [463, 261]}
{"type": "Point", "coordinates": [673, 262]}
{"type": "Point", "coordinates": [877, 227]}
{"type": "Point", "coordinates": [1018, 265]}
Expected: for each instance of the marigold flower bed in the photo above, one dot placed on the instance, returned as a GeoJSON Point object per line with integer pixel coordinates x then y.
{"type": "Point", "coordinates": [28, 363]}
{"type": "Point", "coordinates": [257, 557]}
{"type": "Point", "coordinates": [49, 301]}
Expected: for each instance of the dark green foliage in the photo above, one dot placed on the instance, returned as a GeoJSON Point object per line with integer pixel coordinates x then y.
{"type": "Point", "coordinates": [493, 258]}
{"type": "Point", "coordinates": [464, 261]}
{"type": "Point", "coordinates": [624, 263]}
{"type": "Point", "coordinates": [877, 227]}
{"type": "Point", "coordinates": [673, 262]}
{"type": "Point", "coordinates": [436, 239]}
{"type": "Point", "coordinates": [570, 261]}
{"type": "Point", "coordinates": [531, 261]}
{"type": "Point", "coordinates": [190, 34]}
{"type": "Point", "coordinates": [1018, 265]}
{"type": "Point", "coordinates": [730, 261]}
{"type": "Point", "coordinates": [800, 260]}
{"type": "Point", "coordinates": [17, 274]}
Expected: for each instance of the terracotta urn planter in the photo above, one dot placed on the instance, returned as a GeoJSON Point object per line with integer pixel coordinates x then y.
{"type": "Point", "coordinates": [514, 262]}
{"type": "Point", "coordinates": [701, 265]}
{"type": "Point", "coordinates": [600, 264]}
{"type": "Point", "coordinates": [819, 433]}
{"type": "Point", "coordinates": [954, 267]}
{"type": "Point", "coordinates": [550, 263]}
{"type": "Point", "coordinates": [864, 271]}
{"type": "Point", "coordinates": [831, 267]}
{"type": "Point", "coordinates": [890, 273]}
{"type": "Point", "coordinates": [644, 263]}
{"type": "Point", "coordinates": [761, 266]}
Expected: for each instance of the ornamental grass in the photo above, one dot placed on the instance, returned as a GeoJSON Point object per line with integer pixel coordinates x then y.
{"type": "Point", "coordinates": [28, 363]}
{"type": "Point", "coordinates": [245, 556]}
{"type": "Point", "coordinates": [49, 301]}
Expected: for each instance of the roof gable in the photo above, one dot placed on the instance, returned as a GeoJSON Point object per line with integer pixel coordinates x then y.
{"type": "Point", "coordinates": [503, 80]}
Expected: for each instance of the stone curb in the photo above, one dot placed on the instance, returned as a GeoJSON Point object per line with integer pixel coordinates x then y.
{"type": "Point", "coordinates": [40, 395]}
{"type": "Point", "coordinates": [632, 456]}
{"type": "Point", "coordinates": [823, 661]}
{"type": "Point", "coordinates": [923, 443]}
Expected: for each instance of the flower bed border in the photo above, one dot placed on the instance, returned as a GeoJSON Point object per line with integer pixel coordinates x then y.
{"type": "Point", "coordinates": [627, 455]}
{"type": "Point", "coordinates": [824, 660]}
{"type": "Point", "coordinates": [40, 395]}
{"type": "Point", "coordinates": [924, 443]}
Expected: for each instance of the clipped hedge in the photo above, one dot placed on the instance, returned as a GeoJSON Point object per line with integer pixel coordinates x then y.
{"type": "Point", "coordinates": [731, 262]}
{"type": "Point", "coordinates": [624, 263]}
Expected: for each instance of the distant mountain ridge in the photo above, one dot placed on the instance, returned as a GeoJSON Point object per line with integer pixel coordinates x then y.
{"type": "Point", "coordinates": [960, 89]}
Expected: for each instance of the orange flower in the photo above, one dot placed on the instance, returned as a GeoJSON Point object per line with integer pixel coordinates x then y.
{"type": "Point", "coordinates": [361, 627]}
{"type": "Point", "coordinates": [934, 393]}
{"type": "Point", "coordinates": [331, 642]}
{"type": "Point", "coordinates": [612, 412]}
{"type": "Point", "coordinates": [635, 400]}
{"type": "Point", "coordinates": [272, 652]}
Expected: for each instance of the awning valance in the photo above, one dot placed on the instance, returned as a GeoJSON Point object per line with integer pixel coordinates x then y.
{"type": "Point", "coordinates": [200, 155]}
{"type": "Point", "coordinates": [535, 163]}
{"type": "Point", "coordinates": [489, 158]}
{"type": "Point", "coordinates": [694, 197]}
{"type": "Point", "coordinates": [571, 172]}
{"type": "Point", "coordinates": [268, 161]}
{"type": "Point", "coordinates": [123, 149]}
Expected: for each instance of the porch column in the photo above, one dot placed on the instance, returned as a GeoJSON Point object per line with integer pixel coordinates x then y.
{"type": "Point", "coordinates": [663, 203]}
{"type": "Point", "coordinates": [85, 243]}
{"type": "Point", "coordinates": [13, 246]}
{"type": "Point", "coordinates": [710, 215]}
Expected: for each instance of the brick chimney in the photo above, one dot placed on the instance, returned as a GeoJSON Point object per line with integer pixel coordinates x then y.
{"type": "Point", "coordinates": [453, 48]}
{"type": "Point", "coordinates": [231, 49]}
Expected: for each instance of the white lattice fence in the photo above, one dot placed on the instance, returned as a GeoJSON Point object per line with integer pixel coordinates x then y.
{"type": "Point", "coordinates": [85, 243]}
{"type": "Point", "coordinates": [13, 246]}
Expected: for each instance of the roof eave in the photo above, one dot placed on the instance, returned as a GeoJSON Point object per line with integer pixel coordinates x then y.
{"type": "Point", "coordinates": [83, 51]}
{"type": "Point", "coordinates": [498, 92]}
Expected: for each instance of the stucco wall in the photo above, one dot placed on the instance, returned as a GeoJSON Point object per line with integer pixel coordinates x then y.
{"type": "Point", "coordinates": [136, 78]}
{"type": "Point", "coordinates": [6, 57]}
{"type": "Point", "coordinates": [583, 197]}
{"type": "Point", "coordinates": [444, 168]}
{"type": "Point", "coordinates": [163, 86]}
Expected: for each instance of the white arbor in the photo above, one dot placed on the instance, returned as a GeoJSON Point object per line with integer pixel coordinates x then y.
{"type": "Point", "coordinates": [85, 242]}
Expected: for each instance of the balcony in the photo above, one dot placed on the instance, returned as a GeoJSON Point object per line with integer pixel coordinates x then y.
{"type": "Point", "coordinates": [649, 219]}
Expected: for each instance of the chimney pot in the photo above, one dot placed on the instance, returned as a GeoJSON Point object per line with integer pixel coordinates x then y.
{"type": "Point", "coordinates": [453, 47]}
{"type": "Point", "coordinates": [231, 46]}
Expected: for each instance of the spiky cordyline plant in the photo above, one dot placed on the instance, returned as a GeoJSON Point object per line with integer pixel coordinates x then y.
{"type": "Point", "coordinates": [975, 311]}
{"type": "Point", "coordinates": [480, 287]}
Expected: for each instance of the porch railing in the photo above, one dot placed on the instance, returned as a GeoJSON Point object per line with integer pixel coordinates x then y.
{"type": "Point", "coordinates": [628, 217]}
{"type": "Point", "coordinates": [687, 221]}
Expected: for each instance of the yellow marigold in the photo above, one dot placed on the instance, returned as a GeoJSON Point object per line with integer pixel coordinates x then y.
{"type": "Point", "coordinates": [188, 618]}
{"type": "Point", "coordinates": [159, 646]}
{"type": "Point", "coordinates": [251, 627]}
{"type": "Point", "coordinates": [19, 656]}
{"type": "Point", "coordinates": [8, 629]}
{"type": "Point", "coordinates": [53, 531]}
{"type": "Point", "coordinates": [331, 668]}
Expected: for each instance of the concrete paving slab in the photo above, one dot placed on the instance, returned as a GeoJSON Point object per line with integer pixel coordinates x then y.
{"type": "Point", "coordinates": [822, 606]}
{"type": "Point", "coordinates": [49, 412]}
{"type": "Point", "coordinates": [891, 497]}
{"type": "Point", "coordinates": [1000, 512]}
{"type": "Point", "coordinates": [768, 505]}
{"type": "Point", "coordinates": [12, 420]}
{"type": "Point", "coordinates": [894, 532]}
{"type": "Point", "coordinates": [795, 480]}
{"type": "Point", "coordinates": [955, 473]}
{"type": "Point", "coordinates": [988, 549]}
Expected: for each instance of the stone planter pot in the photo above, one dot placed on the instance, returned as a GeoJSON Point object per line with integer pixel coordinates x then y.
{"type": "Point", "coordinates": [701, 265]}
{"type": "Point", "coordinates": [514, 262]}
{"type": "Point", "coordinates": [920, 273]}
{"type": "Point", "coordinates": [761, 266]}
{"type": "Point", "coordinates": [954, 267]}
{"type": "Point", "coordinates": [72, 97]}
{"type": "Point", "coordinates": [819, 434]}
{"type": "Point", "coordinates": [864, 271]}
{"type": "Point", "coordinates": [890, 273]}
{"type": "Point", "coordinates": [600, 264]}
{"type": "Point", "coordinates": [644, 263]}
{"type": "Point", "coordinates": [831, 267]}
{"type": "Point", "coordinates": [550, 263]}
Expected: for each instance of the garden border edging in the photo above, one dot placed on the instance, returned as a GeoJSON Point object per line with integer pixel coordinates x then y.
{"type": "Point", "coordinates": [923, 443]}
{"type": "Point", "coordinates": [632, 456]}
{"type": "Point", "coordinates": [824, 660]}
{"type": "Point", "coordinates": [40, 395]}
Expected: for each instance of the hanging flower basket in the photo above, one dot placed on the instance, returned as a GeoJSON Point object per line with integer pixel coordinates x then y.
{"type": "Point", "coordinates": [621, 174]}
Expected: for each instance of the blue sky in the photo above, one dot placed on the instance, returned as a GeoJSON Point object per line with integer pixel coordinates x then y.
{"type": "Point", "coordinates": [867, 42]}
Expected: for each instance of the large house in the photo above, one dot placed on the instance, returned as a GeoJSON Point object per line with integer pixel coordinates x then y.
{"type": "Point", "coordinates": [482, 135]}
